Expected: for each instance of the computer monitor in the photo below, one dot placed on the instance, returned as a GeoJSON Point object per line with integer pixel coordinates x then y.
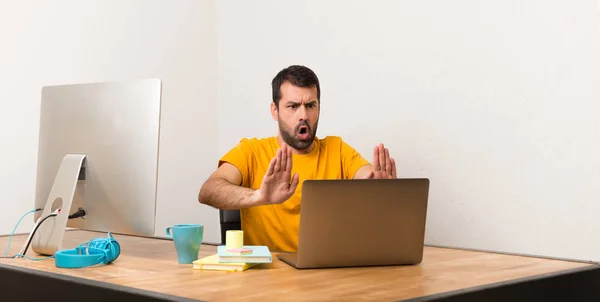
{"type": "Point", "coordinates": [98, 150]}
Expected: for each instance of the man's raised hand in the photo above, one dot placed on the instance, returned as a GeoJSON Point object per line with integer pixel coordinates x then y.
{"type": "Point", "coordinates": [277, 184]}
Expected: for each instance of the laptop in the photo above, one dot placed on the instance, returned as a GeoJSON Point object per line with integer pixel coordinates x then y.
{"type": "Point", "coordinates": [360, 222]}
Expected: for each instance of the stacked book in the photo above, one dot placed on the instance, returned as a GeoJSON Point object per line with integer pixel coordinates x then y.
{"type": "Point", "coordinates": [239, 259]}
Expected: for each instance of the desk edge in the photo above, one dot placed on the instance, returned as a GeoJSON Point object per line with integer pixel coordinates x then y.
{"type": "Point", "coordinates": [94, 283]}
{"type": "Point", "coordinates": [494, 285]}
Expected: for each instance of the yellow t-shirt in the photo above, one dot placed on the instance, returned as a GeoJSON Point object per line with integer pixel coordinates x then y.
{"type": "Point", "coordinates": [276, 226]}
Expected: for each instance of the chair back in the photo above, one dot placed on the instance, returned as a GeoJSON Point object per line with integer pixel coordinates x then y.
{"type": "Point", "coordinates": [230, 220]}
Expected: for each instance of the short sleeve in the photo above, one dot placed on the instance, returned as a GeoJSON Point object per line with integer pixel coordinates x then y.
{"type": "Point", "coordinates": [241, 156]}
{"type": "Point", "coordinates": [352, 161]}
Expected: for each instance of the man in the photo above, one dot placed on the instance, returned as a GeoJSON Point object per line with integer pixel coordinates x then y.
{"type": "Point", "coordinates": [258, 178]}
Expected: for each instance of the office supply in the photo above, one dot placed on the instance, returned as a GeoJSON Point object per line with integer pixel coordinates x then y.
{"type": "Point", "coordinates": [259, 254]}
{"type": "Point", "coordinates": [387, 216]}
{"type": "Point", "coordinates": [234, 239]}
{"type": "Point", "coordinates": [98, 150]}
{"type": "Point", "coordinates": [240, 251]}
{"type": "Point", "coordinates": [212, 263]}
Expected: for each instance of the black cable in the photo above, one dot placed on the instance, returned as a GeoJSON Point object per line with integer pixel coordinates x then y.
{"type": "Point", "coordinates": [79, 213]}
{"type": "Point", "coordinates": [34, 230]}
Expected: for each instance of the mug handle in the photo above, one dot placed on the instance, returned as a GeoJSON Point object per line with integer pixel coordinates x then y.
{"type": "Point", "coordinates": [168, 232]}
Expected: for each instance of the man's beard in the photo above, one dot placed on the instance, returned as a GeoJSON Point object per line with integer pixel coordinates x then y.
{"type": "Point", "coordinates": [291, 137]}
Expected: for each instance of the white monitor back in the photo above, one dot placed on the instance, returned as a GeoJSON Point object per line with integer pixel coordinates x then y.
{"type": "Point", "coordinates": [116, 125]}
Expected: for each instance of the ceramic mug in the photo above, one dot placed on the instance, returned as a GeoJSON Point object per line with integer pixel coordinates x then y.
{"type": "Point", "coordinates": [187, 239]}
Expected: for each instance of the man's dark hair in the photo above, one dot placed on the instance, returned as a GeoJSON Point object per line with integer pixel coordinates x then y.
{"type": "Point", "coordinates": [297, 75]}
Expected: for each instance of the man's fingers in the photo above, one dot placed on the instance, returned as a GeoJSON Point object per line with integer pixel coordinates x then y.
{"type": "Point", "coordinates": [388, 163]}
{"type": "Point", "coordinates": [375, 163]}
{"type": "Point", "coordinates": [278, 161]}
{"type": "Point", "coordinates": [295, 181]}
{"type": "Point", "coordinates": [271, 168]}
{"type": "Point", "coordinates": [284, 158]}
{"type": "Point", "coordinates": [370, 175]}
{"type": "Point", "coordinates": [289, 160]}
{"type": "Point", "coordinates": [381, 156]}
{"type": "Point", "coordinates": [393, 168]}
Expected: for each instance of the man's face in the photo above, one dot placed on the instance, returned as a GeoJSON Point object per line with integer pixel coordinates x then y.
{"type": "Point", "coordinates": [297, 115]}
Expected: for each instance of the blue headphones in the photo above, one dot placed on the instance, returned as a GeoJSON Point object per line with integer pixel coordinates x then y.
{"type": "Point", "coordinates": [93, 252]}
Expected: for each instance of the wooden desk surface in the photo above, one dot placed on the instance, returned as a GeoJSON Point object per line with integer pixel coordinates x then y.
{"type": "Point", "coordinates": [151, 264]}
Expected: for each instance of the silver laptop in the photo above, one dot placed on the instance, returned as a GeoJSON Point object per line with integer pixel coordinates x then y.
{"type": "Point", "coordinates": [362, 222]}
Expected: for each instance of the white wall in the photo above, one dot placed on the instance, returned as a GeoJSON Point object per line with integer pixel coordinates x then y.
{"type": "Point", "coordinates": [495, 102]}
{"type": "Point", "coordinates": [61, 42]}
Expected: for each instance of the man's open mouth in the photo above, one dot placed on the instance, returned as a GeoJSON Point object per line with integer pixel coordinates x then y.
{"type": "Point", "coordinates": [303, 133]}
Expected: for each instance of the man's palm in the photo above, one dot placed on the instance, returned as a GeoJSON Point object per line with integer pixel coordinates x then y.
{"type": "Point", "coordinates": [383, 165]}
{"type": "Point", "coordinates": [276, 187]}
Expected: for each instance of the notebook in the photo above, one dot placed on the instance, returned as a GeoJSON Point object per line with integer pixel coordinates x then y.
{"type": "Point", "coordinates": [212, 263]}
{"type": "Point", "coordinates": [259, 254]}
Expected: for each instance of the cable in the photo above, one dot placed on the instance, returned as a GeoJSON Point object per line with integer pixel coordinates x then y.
{"type": "Point", "coordinates": [54, 214]}
{"type": "Point", "coordinates": [15, 229]}
{"type": "Point", "coordinates": [80, 213]}
{"type": "Point", "coordinates": [31, 258]}
{"type": "Point", "coordinates": [30, 237]}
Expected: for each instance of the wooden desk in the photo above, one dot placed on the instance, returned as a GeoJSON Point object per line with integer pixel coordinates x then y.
{"type": "Point", "coordinates": [151, 265]}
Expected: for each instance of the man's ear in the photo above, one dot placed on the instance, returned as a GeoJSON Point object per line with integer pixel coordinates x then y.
{"type": "Point", "coordinates": [274, 111]}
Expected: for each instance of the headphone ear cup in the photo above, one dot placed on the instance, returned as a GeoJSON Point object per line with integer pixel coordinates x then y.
{"type": "Point", "coordinates": [117, 249]}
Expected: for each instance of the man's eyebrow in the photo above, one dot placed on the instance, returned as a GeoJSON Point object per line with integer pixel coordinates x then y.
{"type": "Point", "coordinates": [287, 103]}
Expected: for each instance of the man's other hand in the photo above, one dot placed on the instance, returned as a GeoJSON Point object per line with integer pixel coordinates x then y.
{"type": "Point", "coordinates": [383, 166]}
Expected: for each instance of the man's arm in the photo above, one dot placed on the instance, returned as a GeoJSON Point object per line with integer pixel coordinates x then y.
{"type": "Point", "coordinates": [363, 172]}
{"type": "Point", "coordinates": [222, 190]}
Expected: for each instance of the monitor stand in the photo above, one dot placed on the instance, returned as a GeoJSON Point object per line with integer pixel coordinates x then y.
{"type": "Point", "coordinates": [49, 235]}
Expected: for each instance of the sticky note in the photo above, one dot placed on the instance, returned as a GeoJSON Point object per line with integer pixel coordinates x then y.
{"type": "Point", "coordinates": [240, 251]}
{"type": "Point", "coordinates": [234, 239]}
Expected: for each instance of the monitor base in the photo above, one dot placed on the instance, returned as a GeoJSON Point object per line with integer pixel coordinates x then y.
{"type": "Point", "coordinates": [49, 235]}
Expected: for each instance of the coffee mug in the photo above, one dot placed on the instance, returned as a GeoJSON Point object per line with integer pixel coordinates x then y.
{"type": "Point", "coordinates": [187, 238]}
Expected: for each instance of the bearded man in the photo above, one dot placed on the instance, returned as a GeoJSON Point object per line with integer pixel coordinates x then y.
{"type": "Point", "coordinates": [257, 176]}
